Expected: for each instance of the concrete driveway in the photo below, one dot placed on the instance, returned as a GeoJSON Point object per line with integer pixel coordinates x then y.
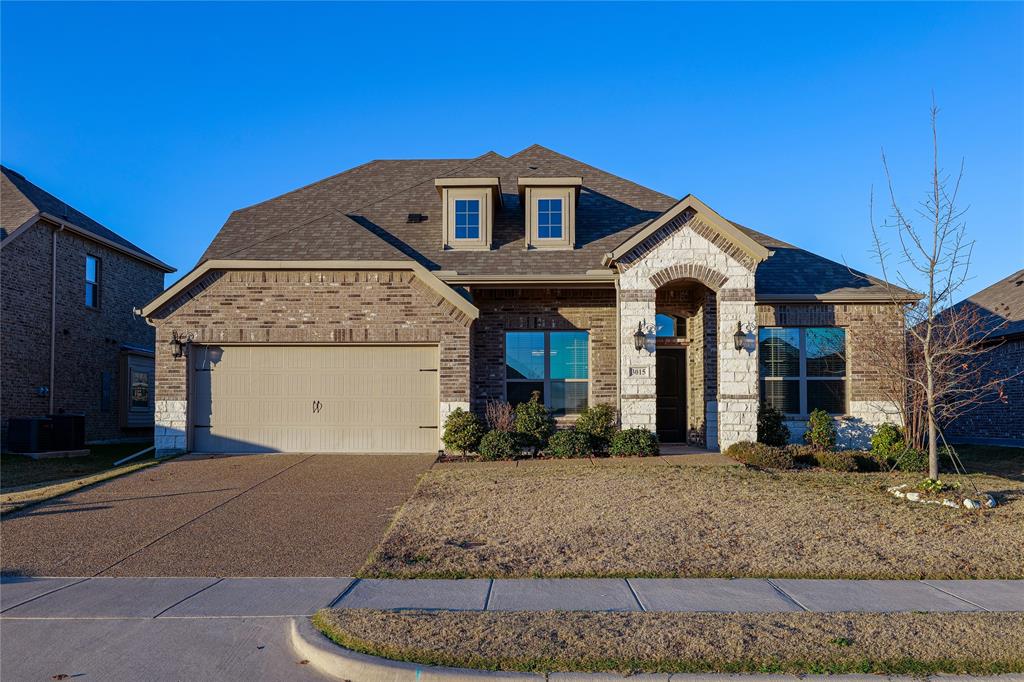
{"type": "Point", "coordinates": [240, 515]}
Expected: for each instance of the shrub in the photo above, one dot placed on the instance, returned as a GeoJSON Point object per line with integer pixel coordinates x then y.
{"type": "Point", "coordinates": [597, 422]}
{"type": "Point", "coordinates": [761, 455]}
{"type": "Point", "coordinates": [635, 442]}
{"type": "Point", "coordinates": [887, 442]}
{"type": "Point", "coordinates": [534, 423]}
{"type": "Point", "coordinates": [498, 445]}
{"type": "Point", "coordinates": [912, 460]}
{"type": "Point", "coordinates": [569, 443]}
{"type": "Point", "coordinates": [500, 416]}
{"type": "Point", "coordinates": [462, 431]}
{"type": "Point", "coordinates": [770, 428]}
{"type": "Point", "coordinates": [803, 455]}
{"type": "Point", "coordinates": [837, 460]}
{"type": "Point", "coordinates": [821, 431]}
{"type": "Point", "coordinates": [740, 449]}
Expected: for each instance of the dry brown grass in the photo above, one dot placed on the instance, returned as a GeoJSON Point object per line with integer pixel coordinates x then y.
{"type": "Point", "coordinates": [560, 519]}
{"type": "Point", "coordinates": [688, 642]}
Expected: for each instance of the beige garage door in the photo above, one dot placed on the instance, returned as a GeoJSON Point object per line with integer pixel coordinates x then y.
{"type": "Point", "coordinates": [315, 399]}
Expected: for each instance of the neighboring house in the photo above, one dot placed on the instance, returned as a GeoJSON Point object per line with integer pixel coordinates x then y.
{"type": "Point", "coordinates": [355, 313]}
{"type": "Point", "coordinates": [72, 342]}
{"type": "Point", "coordinates": [998, 420]}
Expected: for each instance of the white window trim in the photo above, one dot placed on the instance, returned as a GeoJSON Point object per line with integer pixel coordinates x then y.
{"type": "Point", "coordinates": [547, 380]}
{"type": "Point", "coordinates": [802, 377]}
{"type": "Point", "coordinates": [455, 219]}
{"type": "Point", "coordinates": [561, 223]}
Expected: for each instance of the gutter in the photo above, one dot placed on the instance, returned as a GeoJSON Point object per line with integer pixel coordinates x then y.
{"type": "Point", "coordinates": [53, 311]}
{"type": "Point", "coordinates": [86, 234]}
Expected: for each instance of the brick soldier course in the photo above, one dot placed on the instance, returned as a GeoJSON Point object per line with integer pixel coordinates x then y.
{"type": "Point", "coordinates": [390, 270]}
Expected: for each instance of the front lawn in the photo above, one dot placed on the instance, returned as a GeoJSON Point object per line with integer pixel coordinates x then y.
{"type": "Point", "coordinates": [616, 518]}
{"type": "Point", "coordinates": [18, 470]}
{"type": "Point", "coordinates": [991, 459]}
{"type": "Point", "coordinates": [896, 643]}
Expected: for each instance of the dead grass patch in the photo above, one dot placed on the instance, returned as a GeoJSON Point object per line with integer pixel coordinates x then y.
{"type": "Point", "coordinates": [563, 519]}
{"type": "Point", "coordinates": [919, 643]}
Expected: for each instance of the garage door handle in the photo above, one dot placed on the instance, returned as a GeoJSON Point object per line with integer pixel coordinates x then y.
{"type": "Point", "coordinates": [429, 369]}
{"type": "Point", "coordinates": [428, 427]}
{"type": "Point", "coordinates": [317, 406]}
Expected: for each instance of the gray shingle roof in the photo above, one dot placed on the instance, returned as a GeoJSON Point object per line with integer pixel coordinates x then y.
{"type": "Point", "coordinates": [379, 195]}
{"type": "Point", "coordinates": [21, 201]}
{"type": "Point", "coordinates": [1000, 307]}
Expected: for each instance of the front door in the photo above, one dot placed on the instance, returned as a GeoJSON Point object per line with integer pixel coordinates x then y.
{"type": "Point", "coordinates": [671, 379]}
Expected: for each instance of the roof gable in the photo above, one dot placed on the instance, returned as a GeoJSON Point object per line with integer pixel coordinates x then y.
{"type": "Point", "coordinates": [23, 202]}
{"type": "Point", "coordinates": [1000, 307]}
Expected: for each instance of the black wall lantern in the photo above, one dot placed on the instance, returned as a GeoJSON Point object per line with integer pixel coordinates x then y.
{"type": "Point", "coordinates": [639, 337]}
{"type": "Point", "coordinates": [739, 337]}
{"type": "Point", "coordinates": [179, 345]}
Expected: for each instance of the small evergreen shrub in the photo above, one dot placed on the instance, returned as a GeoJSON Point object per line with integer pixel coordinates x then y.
{"type": "Point", "coordinates": [635, 442]}
{"type": "Point", "coordinates": [803, 455]}
{"type": "Point", "coordinates": [534, 422]}
{"type": "Point", "coordinates": [770, 428]}
{"type": "Point", "coordinates": [598, 422]}
{"type": "Point", "coordinates": [837, 460]}
{"type": "Point", "coordinates": [887, 442]}
{"type": "Point", "coordinates": [821, 431]}
{"type": "Point", "coordinates": [498, 445]}
{"type": "Point", "coordinates": [912, 460]}
{"type": "Point", "coordinates": [462, 431]}
{"type": "Point", "coordinates": [569, 443]}
{"type": "Point", "coordinates": [740, 449]}
{"type": "Point", "coordinates": [761, 455]}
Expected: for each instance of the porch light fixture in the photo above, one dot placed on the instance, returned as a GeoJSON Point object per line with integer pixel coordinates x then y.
{"type": "Point", "coordinates": [179, 345]}
{"type": "Point", "coordinates": [739, 338]}
{"type": "Point", "coordinates": [639, 337]}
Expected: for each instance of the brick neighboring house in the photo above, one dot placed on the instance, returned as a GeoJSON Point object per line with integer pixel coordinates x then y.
{"type": "Point", "coordinates": [355, 313]}
{"type": "Point", "coordinates": [72, 342]}
{"type": "Point", "coordinates": [1000, 310]}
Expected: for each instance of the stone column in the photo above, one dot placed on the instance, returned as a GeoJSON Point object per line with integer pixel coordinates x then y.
{"type": "Point", "coordinates": [737, 369]}
{"type": "Point", "coordinates": [637, 380]}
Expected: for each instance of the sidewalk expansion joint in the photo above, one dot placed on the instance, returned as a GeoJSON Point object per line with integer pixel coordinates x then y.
{"type": "Point", "coordinates": [955, 596]}
{"type": "Point", "coordinates": [180, 601]}
{"type": "Point", "coordinates": [344, 593]}
{"type": "Point", "coordinates": [635, 596]}
{"type": "Point", "coordinates": [786, 595]}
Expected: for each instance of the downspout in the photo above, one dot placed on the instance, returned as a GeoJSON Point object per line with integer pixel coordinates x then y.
{"type": "Point", "coordinates": [618, 352]}
{"type": "Point", "coordinates": [53, 310]}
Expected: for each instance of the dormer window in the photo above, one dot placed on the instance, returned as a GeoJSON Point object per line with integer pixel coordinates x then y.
{"type": "Point", "coordinates": [467, 219]}
{"type": "Point", "coordinates": [549, 205]}
{"type": "Point", "coordinates": [468, 206]}
{"type": "Point", "coordinates": [549, 218]}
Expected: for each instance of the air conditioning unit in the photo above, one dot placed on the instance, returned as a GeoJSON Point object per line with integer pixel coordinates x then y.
{"type": "Point", "coordinates": [29, 434]}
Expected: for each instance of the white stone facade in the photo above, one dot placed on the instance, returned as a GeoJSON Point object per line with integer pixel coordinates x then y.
{"type": "Point", "coordinates": [854, 430]}
{"type": "Point", "coordinates": [735, 413]}
{"type": "Point", "coordinates": [170, 427]}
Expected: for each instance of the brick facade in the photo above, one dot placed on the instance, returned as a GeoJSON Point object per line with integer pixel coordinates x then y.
{"type": "Point", "coordinates": [865, 323]}
{"type": "Point", "coordinates": [502, 310]}
{"type": "Point", "coordinates": [997, 421]}
{"type": "Point", "coordinates": [88, 342]}
{"type": "Point", "coordinates": [297, 307]}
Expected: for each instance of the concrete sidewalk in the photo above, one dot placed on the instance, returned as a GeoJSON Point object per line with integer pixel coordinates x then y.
{"type": "Point", "coordinates": [165, 598]}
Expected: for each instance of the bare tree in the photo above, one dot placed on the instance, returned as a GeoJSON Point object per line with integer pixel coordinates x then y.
{"type": "Point", "coordinates": [942, 369]}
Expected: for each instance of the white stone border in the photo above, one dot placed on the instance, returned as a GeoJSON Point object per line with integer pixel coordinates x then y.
{"type": "Point", "coordinates": [987, 501]}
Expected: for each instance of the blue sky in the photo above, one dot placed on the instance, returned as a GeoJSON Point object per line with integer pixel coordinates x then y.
{"type": "Point", "coordinates": [160, 119]}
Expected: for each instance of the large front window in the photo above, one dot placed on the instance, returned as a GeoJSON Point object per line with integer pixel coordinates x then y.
{"type": "Point", "coordinates": [803, 369]}
{"type": "Point", "coordinates": [555, 364]}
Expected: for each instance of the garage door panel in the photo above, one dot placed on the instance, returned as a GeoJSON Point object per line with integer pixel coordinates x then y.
{"type": "Point", "coordinates": [316, 399]}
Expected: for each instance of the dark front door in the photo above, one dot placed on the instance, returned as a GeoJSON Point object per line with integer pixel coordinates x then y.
{"type": "Point", "coordinates": [671, 378]}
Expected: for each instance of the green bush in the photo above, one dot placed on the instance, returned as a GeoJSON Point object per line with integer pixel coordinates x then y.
{"type": "Point", "coordinates": [598, 422]}
{"type": "Point", "coordinates": [887, 443]}
{"type": "Point", "coordinates": [760, 455]}
{"type": "Point", "coordinates": [498, 445]}
{"type": "Point", "coordinates": [462, 431]}
{"type": "Point", "coordinates": [803, 455]}
{"type": "Point", "coordinates": [634, 443]}
{"type": "Point", "coordinates": [912, 460]}
{"type": "Point", "coordinates": [770, 428]}
{"type": "Point", "coordinates": [569, 443]}
{"type": "Point", "coordinates": [534, 422]}
{"type": "Point", "coordinates": [837, 460]}
{"type": "Point", "coordinates": [821, 431]}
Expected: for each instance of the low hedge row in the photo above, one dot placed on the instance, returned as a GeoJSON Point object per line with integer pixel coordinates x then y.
{"type": "Point", "coordinates": [533, 430]}
{"type": "Point", "coordinates": [793, 456]}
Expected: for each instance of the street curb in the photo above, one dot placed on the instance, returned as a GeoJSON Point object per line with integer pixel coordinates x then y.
{"type": "Point", "coordinates": [340, 663]}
